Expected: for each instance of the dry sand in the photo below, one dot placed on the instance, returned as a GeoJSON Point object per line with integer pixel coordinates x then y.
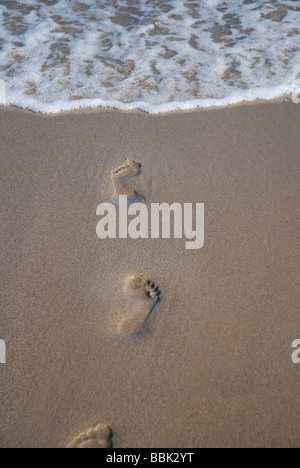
{"type": "Point", "coordinates": [215, 368]}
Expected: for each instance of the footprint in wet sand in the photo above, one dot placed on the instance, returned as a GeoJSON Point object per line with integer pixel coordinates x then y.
{"type": "Point", "coordinates": [97, 437]}
{"type": "Point", "coordinates": [148, 295]}
{"type": "Point", "coordinates": [121, 180]}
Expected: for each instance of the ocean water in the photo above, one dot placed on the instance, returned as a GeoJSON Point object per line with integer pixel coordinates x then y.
{"type": "Point", "coordinates": [154, 55]}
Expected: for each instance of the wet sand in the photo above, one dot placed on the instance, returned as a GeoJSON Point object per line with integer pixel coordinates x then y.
{"type": "Point", "coordinates": [214, 368]}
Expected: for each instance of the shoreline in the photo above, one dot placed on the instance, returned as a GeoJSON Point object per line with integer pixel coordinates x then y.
{"type": "Point", "coordinates": [213, 367]}
{"type": "Point", "coordinates": [99, 109]}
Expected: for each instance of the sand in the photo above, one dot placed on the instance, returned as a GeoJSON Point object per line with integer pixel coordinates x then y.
{"type": "Point", "coordinates": [214, 368]}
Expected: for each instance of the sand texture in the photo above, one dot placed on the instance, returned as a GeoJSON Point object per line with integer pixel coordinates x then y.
{"type": "Point", "coordinates": [167, 347]}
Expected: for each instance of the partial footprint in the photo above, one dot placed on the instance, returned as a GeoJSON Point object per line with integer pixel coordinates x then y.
{"type": "Point", "coordinates": [121, 176]}
{"type": "Point", "coordinates": [97, 437]}
{"type": "Point", "coordinates": [130, 168]}
{"type": "Point", "coordinates": [148, 295]}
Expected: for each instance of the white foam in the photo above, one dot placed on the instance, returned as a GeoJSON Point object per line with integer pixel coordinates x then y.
{"type": "Point", "coordinates": [156, 56]}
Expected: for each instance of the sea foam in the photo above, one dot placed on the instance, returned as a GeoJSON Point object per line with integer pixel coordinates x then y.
{"type": "Point", "coordinates": [156, 56]}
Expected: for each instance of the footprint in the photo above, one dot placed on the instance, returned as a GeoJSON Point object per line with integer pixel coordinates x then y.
{"type": "Point", "coordinates": [121, 177]}
{"type": "Point", "coordinates": [97, 437]}
{"type": "Point", "coordinates": [149, 295]}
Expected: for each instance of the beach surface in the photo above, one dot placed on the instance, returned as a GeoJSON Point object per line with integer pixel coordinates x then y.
{"type": "Point", "coordinates": [214, 368]}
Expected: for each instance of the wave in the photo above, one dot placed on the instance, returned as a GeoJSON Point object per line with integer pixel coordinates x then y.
{"type": "Point", "coordinates": [156, 56]}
